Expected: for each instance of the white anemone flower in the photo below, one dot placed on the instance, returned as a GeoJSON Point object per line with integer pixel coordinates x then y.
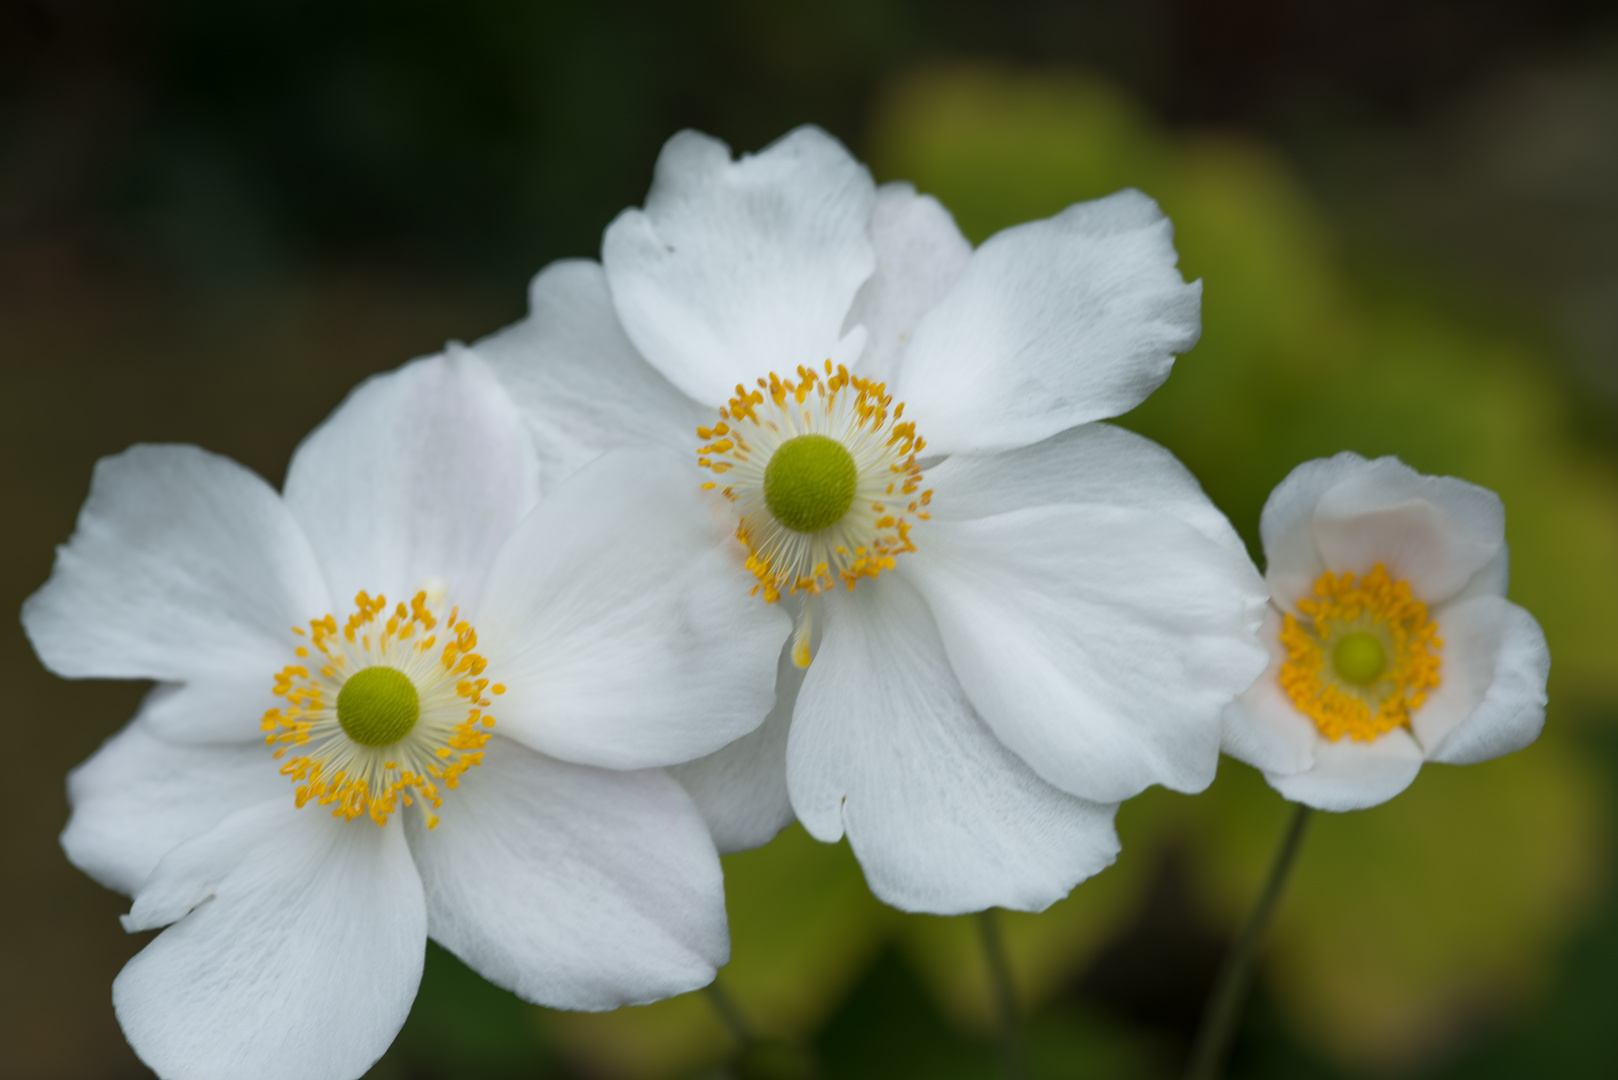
{"type": "Point", "coordinates": [1391, 639]}
{"type": "Point", "coordinates": [399, 699]}
{"type": "Point", "coordinates": [1009, 617]}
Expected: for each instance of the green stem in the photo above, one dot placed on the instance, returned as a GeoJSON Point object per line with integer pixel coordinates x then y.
{"type": "Point", "coordinates": [728, 1011]}
{"type": "Point", "coordinates": [1013, 1063]}
{"type": "Point", "coordinates": [1236, 973]}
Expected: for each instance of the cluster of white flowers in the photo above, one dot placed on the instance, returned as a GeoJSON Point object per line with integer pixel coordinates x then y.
{"type": "Point", "coordinates": [793, 507]}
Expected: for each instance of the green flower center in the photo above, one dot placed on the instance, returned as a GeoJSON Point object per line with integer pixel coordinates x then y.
{"type": "Point", "coordinates": [378, 706]}
{"type": "Point", "coordinates": [1359, 659]}
{"type": "Point", "coordinates": [809, 483]}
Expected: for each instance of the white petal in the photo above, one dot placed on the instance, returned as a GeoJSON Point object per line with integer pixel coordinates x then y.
{"type": "Point", "coordinates": [1090, 464]}
{"type": "Point", "coordinates": [215, 710]}
{"type": "Point", "coordinates": [619, 619]}
{"type": "Point", "coordinates": [1053, 324]}
{"type": "Point", "coordinates": [1350, 775]}
{"type": "Point", "coordinates": [183, 565]}
{"type": "Point", "coordinates": [421, 473]}
{"type": "Point", "coordinates": [1491, 701]}
{"type": "Point", "coordinates": [139, 797]}
{"type": "Point", "coordinates": [1347, 514]}
{"type": "Point", "coordinates": [1101, 643]}
{"type": "Point", "coordinates": [574, 887]}
{"type": "Point", "coordinates": [886, 747]}
{"type": "Point", "coordinates": [1292, 565]}
{"type": "Point", "coordinates": [738, 268]}
{"type": "Point", "coordinates": [297, 952]}
{"type": "Point", "coordinates": [920, 254]}
{"type": "Point", "coordinates": [1435, 532]}
{"type": "Point", "coordinates": [741, 788]}
{"type": "Point", "coordinates": [580, 384]}
{"type": "Point", "coordinates": [1263, 727]}
{"type": "Point", "coordinates": [1491, 580]}
{"type": "Point", "coordinates": [1099, 464]}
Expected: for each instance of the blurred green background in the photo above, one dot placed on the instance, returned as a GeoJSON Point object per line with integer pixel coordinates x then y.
{"type": "Point", "coordinates": [215, 218]}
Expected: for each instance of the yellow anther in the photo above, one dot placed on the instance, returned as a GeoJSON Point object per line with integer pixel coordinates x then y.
{"type": "Point", "coordinates": [1363, 657]}
{"type": "Point", "coordinates": [354, 778]}
{"type": "Point", "coordinates": [842, 541]}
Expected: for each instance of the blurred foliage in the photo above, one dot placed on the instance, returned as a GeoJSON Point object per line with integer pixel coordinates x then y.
{"type": "Point", "coordinates": [483, 138]}
{"type": "Point", "coordinates": [229, 141]}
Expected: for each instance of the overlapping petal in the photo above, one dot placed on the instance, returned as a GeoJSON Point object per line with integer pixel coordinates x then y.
{"type": "Point", "coordinates": [575, 887]}
{"type": "Point", "coordinates": [579, 382]}
{"type": "Point", "coordinates": [217, 710]}
{"type": "Point", "coordinates": [1263, 727]}
{"type": "Point", "coordinates": [1492, 699]}
{"type": "Point", "coordinates": [297, 949]}
{"type": "Point", "coordinates": [735, 268]}
{"type": "Point", "coordinates": [1352, 775]}
{"type": "Point", "coordinates": [1104, 677]}
{"type": "Point", "coordinates": [741, 789]}
{"type": "Point", "coordinates": [1348, 514]}
{"type": "Point", "coordinates": [619, 619]}
{"type": "Point", "coordinates": [886, 748]}
{"type": "Point", "coordinates": [1286, 527]}
{"type": "Point", "coordinates": [1436, 532]}
{"type": "Point", "coordinates": [1052, 324]}
{"type": "Point", "coordinates": [1090, 465]}
{"type": "Point", "coordinates": [421, 473]}
{"type": "Point", "coordinates": [184, 565]}
{"type": "Point", "coordinates": [920, 254]}
{"type": "Point", "coordinates": [139, 797]}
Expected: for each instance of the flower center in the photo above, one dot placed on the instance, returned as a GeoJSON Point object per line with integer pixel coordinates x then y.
{"type": "Point", "coordinates": [809, 483]}
{"type": "Point", "coordinates": [378, 706]}
{"type": "Point", "coordinates": [1362, 658]}
{"type": "Point", "coordinates": [824, 480]}
{"type": "Point", "coordinates": [394, 708]}
{"type": "Point", "coordinates": [1359, 659]}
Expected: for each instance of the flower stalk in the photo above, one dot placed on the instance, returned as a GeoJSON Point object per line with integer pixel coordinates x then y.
{"type": "Point", "coordinates": [1229, 994]}
{"type": "Point", "coordinates": [730, 1013]}
{"type": "Point", "coordinates": [1013, 1060]}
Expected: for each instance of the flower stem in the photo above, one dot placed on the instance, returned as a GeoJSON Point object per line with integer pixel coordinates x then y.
{"type": "Point", "coordinates": [759, 1056]}
{"type": "Point", "coordinates": [1013, 1064]}
{"type": "Point", "coordinates": [728, 1011]}
{"type": "Point", "coordinates": [1236, 973]}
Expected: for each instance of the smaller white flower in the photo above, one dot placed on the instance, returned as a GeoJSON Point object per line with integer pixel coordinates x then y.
{"type": "Point", "coordinates": [1391, 640]}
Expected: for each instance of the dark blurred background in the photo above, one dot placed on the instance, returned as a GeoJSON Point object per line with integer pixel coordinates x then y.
{"type": "Point", "coordinates": [216, 217]}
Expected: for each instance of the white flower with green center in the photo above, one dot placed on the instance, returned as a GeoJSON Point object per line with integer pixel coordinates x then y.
{"type": "Point", "coordinates": [1391, 639]}
{"type": "Point", "coordinates": [1009, 617]}
{"type": "Point", "coordinates": [400, 699]}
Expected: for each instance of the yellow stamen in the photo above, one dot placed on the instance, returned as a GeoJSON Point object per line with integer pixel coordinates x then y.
{"type": "Point", "coordinates": [810, 552]}
{"type": "Point", "coordinates": [334, 768]}
{"type": "Point", "coordinates": [801, 639]}
{"type": "Point", "coordinates": [1363, 659]}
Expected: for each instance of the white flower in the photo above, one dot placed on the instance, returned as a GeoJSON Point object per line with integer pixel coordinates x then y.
{"type": "Point", "coordinates": [392, 702]}
{"type": "Point", "coordinates": [1016, 617]}
{"type": "Point", "coordinates": [1391, 639]}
